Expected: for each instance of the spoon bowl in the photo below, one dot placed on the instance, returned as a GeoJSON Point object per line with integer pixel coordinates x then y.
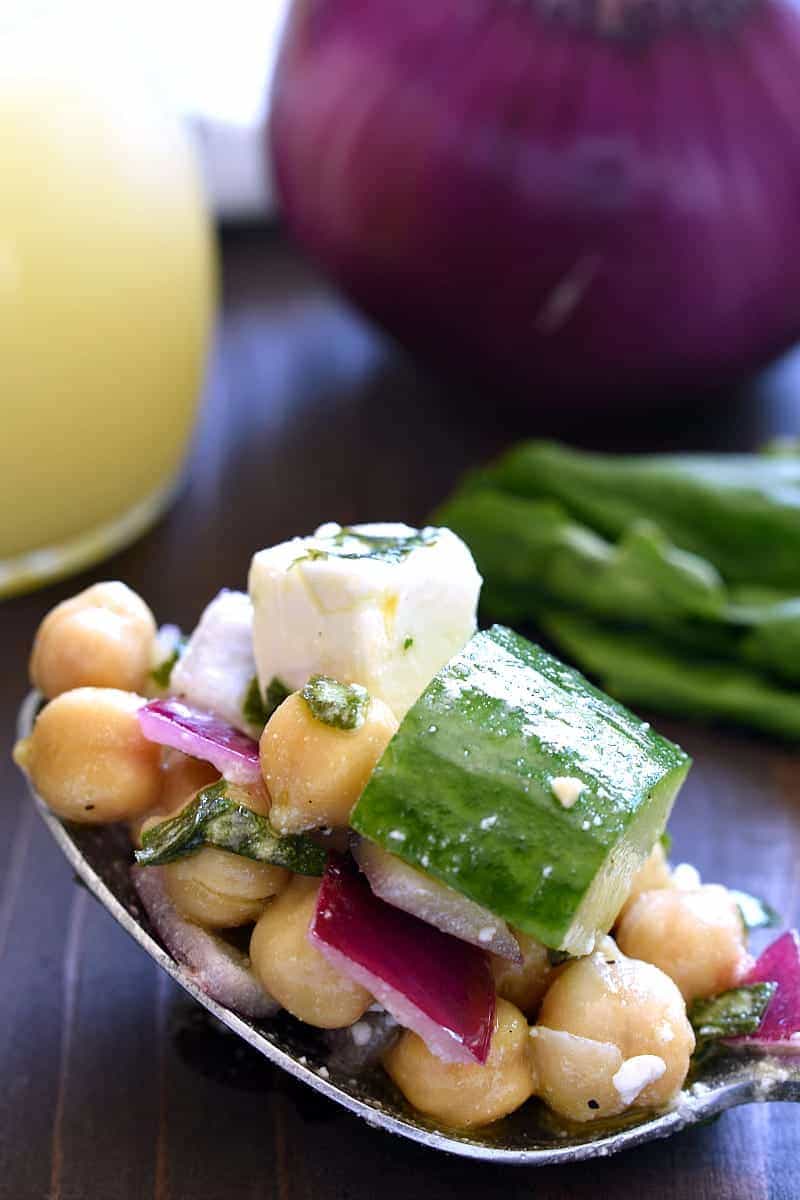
{"type": "Point", "coordinates": [101, 859]}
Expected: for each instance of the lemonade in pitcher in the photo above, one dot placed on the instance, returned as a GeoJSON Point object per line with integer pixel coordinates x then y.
{"type": "Point", "coordinates": [106, 297]}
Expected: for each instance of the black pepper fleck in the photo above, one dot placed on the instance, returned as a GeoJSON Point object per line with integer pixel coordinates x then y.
{"type": "Point", "coordinates": [594, 1104]}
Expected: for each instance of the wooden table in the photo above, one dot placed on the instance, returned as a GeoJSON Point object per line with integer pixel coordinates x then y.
{"type": "Point", "coordinates": [112, 1085]}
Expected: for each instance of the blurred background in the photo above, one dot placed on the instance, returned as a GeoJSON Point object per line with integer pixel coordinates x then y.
{"type": "Point", "coordinates": [591, 216]}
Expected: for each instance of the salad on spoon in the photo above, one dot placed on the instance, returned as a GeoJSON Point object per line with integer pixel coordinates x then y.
{"type": "Point", "coordinates": [440, 844]}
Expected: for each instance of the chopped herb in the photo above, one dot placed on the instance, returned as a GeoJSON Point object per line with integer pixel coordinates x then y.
{"type": "Point", "coordinates": [163, 672]}
{"type": "Point", "coordinates": [343, 705]}
{"type": "Point", "coordinates": [557, 957]}
{"type": "Point", "coordinates": [730, 1014]}
{"type": "Point", "coordinates": [408, 643]}
{"type": "Point", "coordinates": [666, 842]}
{"type": "Point", "coordinates": [347, 542]}
{"type": "Point", "coordinates": [755, 913]}
{"type": "Point", "coordinates": [312, 554]}
{"type": "Point", "coordinates": [215, 818]}
{"type": "Point", "coordinates": [253, 708]}
{"type": "Point", "coordinates": [277, 691]}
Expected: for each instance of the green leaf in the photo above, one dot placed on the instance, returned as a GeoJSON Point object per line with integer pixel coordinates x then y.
{"type": "Point", "coordinates": [756, 913]}
{"type": "Point", "coordinates": [277, 692]}
{"type": "Point", "coordinates": [342, 705]}
{"type": "Point", "coordinates": [734, 1013]}
{"type": "Point", "coordinates": [215, 818]}
{"type": "Point", "coordinates": [162, 673]}
{"type": "Point", "coordinates": [556, 957]}
{"type": "Point", "coordinates": [408, 643]}
{"type": "Point", "coordinates": [253, 708]}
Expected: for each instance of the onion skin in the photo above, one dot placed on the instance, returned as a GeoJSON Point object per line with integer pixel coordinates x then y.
{"type": "Point", "coordinates": [202, 735]}
{"type": "Point", "coordinates": [403, 886]}
{"type": "Point", "coordinates": [779, 1031]}
{"type": "Point", "coordinates": [218, 969]}
{"type": "Point", "coordinates": [545, 207]}
{"type": "Point", "coordinates": [430, 982]}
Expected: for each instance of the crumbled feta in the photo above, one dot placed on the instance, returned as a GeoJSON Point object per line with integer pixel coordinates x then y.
{"type": "Point", "coordinates": [217, 666]}
{"type": "Point", "coordinates": [361, 1033]}
{"type": "Point", "coordinates": [636, 1074]}
{"type": "Point", "coordinates": [566, 789]}
{"type": "Point", "coordinates": [685, 877]}
{"type": "Point", "coordinates": [345, 603]}
{"type": "Point", "coordinates": [486, 934]}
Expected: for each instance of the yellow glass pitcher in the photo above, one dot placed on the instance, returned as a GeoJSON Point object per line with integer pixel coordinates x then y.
{"type": "Point", "coordinates": [106, 297]}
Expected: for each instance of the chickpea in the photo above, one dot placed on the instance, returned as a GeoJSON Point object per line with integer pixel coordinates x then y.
{"type": "Point", "coordinates": [314, 772]}
{"type": "Point", "coordinates": [523, 983]}
{"type": "Point", "coordinates": [87, 758]}
{"type": "Point", "coordinates": [697, 937]}
{"type": "Point", "coordinates": [102, 637]}
{"type": "Point", "coordinates": [652, 874]}
{"type": "Point", "coordinates": [608, 1003]}
{"type": "Point", "coordinates": [219, 889]}
{"type": "Point", "coordinates": [463, 1096]}
{"type": "Point", "coordinates": [181, 778]}
{"type": "Point", "coordinates": [294, 971]}
{"type": "Point", "coordinates": [576, 1074]}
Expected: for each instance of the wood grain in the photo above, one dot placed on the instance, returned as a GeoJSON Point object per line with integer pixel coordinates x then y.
{"type": "Point", "coordinates": [114, 1087]}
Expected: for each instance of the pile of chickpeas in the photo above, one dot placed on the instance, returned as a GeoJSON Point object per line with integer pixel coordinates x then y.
{"type": "Point", "coordinates": [592, 1037]}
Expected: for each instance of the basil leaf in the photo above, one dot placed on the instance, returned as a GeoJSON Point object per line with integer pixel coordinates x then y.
{"type": "Point", "coordinates": [556, 957]}
{"type": "Point", "coordinates": [277, 692]}
{"type": "Point", "coordinates": [734, 1013]}
{"type": "Point", "coordinates": [342, 705]}
{"type": "Point", "coordinates": [755, 912]}
{"type": "Point", "coordinates": [253, 707]}
{"type": "Point", "coordinates": [162, 673]}
{"type": "Point", "coordinates": [215, 818]}
{"type": "Point", "coordinates": [184, 833]}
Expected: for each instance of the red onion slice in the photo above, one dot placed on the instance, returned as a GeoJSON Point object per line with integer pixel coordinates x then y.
{"type": "Point", "coordinates": [201, 735]}
{"type": "Point", "coordinates": [219, 969]}
{"type": "Point", "coordinates": [779, 1031]}
{"type": "Point", "coordinates": [404, 887]}
{"type": "Point", "coordinates": [432, 983]}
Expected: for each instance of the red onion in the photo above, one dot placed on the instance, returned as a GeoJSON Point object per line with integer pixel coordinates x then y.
{"type": "Point", "coordinates": [430, 982]}
{"type": "Point", "coordinates": [590, 196]}
{"type": "Point", "coordinates": [401, 885]}
{"type": "Point", "coordinates": [779, 1031]}
{"type": "Point", "coordinates": [219, 969]}
{"type": "Point", "coordinates": [201, 735]}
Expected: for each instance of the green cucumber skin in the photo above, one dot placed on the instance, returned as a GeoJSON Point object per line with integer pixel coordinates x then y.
{"type": "Point", "coordinates": [463, 790]}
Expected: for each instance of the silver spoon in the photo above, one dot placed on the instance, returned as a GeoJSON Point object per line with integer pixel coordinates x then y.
{"type": "Point", "coordinates": [100, 858]}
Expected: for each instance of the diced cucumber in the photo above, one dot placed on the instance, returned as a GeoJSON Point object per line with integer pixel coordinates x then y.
{"type": "Point", "coordinates": [468, 790]}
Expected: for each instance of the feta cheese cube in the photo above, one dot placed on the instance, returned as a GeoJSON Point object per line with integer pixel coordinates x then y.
{"type": "Point", "coordinates": [383, 605]}
{"type": "Point", "coordinates": [217, 666]}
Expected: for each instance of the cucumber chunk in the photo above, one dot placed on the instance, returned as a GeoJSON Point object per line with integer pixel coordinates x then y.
{"type": "Point", "coordinates": [472, 790]}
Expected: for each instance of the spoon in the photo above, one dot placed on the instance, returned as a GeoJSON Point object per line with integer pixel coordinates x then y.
{"type": "Point", "coordinates": [100, 857]}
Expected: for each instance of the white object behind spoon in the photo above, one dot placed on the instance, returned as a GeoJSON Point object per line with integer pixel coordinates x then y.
{"type": "Point", "coordinates": [531, 1137]}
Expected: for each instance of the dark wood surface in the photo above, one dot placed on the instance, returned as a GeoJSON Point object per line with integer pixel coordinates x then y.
{"type": "Point", "coordinates": [112, 1085]}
